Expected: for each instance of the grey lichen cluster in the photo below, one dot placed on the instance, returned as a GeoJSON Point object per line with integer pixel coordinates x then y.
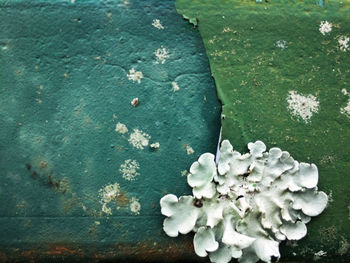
{"type": "Point", "coordinates": [244, 206]}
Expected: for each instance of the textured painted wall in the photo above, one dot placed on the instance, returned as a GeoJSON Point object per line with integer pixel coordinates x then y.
{"type": "Point", "coordinates": [77, 174]}
{"type": "Point", "coordinates": [283, 78]}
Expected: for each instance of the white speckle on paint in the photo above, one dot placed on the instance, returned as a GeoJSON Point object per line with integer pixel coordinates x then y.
{"type": "Point", "coordinates": [226, 30]}
{"type": "Point", "coordinates": [161, 55]}
{"type": "Point", "coordinates": [282, 44]}
{"type": "Point", "coordinates": [129, 169]}
{"type": "Point", "coordinates": [184, 173]}
{"type": "Point", "coordinates": [156, 23]}
{"type": "Point", "coordinates": [107, 194]}
{"type": "Point", "coordinates": [135, 75]}
{"type": "Point", "coordinates": [302, 106]}
{"type": "Point", "coordinates": [189, 150]}
{"type": "Point", "coordinates": [343, 42]}
{"type": "Point", "coordinates": [319, 254]}
{"type": "Point", "coordinates": [97, 222]}
{"type": "Point", "coordinates": [175, 86]}
{"type": "Point", "coordinates": [325, 27]}
{"type": "Point", "coordinates": [135, 206]}
{"type": "Point", "coordinates": [134, 102]}
{"type": "Point", "coordinates": [346, 109]}
{"type": "Point", "coordinates": [121, 128]}
{"type": "Point", "coordinates": [139, 139]}
{"type": "Point", "coordinates": [72, 1]}
{"type": "Point", "coordinates": [155, 145]}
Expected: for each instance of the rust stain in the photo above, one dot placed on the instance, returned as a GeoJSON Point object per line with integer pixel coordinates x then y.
{"type": "Point", "coordinates": [63, 250]}
{"type": "Point", "coordinates": [122, 199]}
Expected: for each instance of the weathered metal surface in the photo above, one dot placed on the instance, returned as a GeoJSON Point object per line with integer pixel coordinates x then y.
{"type": "Point", "coordinates": [64, 87]}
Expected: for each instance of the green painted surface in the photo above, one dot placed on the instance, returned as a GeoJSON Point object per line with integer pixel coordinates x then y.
{"type": "Point", "coordinates": [63, 89]}
{"type": "Point", "coordinates": [253, 78]}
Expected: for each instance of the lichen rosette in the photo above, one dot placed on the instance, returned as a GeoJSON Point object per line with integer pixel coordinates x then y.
{"type": "Point", "coordinates": [245, 205]}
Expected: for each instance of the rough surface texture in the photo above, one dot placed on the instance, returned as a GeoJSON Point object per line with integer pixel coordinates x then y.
{"type": "Point", "coordinates": [78, 175]}
{"type": "Point", "coordinates": [281, 80]}
{"type": "Point", "coordinates": [247, 206]}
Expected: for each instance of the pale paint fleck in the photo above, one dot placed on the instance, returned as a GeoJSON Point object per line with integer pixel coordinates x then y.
{"type": "Point", "coordinates": [184, 173]}
{"type": "Point", "coordinates": [325, 27]}
{"type": "Point", "coordinates": [135, 206]}
{"type": "Point", "coordinates": [139, 139]}
{"type": "Point", "coordinates": [161, 55]}
{"type": "Point", "coordinates": [343, 42]}
{"type": "Point", "coordinates": [302, 106]}
{"type": "Point", "coordinates": [121, 128]}
{"type": "Point", "coordinates": [346, 109]}
{"type": "Point", "coordinates": [135, 75]}
{"type": "Point", "coordinates": [282, 44]}
{"type": "Point", "coordinates": [189, 150]}
{"type": "Point", "coordinates": [134, 102]}
{"type": "Point", "coordinates": [156, 23]}
{"type": "Point", "coordinates": [155, 145]}
{"type": "Point", "coordinates": [129, 169]}
{"type": "Point", "coordinates": [175, 86]}
{"type": "Point", "coordinates": [319, 254]}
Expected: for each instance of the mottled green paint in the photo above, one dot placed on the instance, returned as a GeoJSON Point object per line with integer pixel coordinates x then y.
{"type": "Point", "coordinates": [253, 78]}
{"type": "Point", "coordinates": [63, 89]}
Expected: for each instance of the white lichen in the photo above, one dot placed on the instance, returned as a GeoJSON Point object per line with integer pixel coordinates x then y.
{"type": "Point", "coordinates": [135, 206]}
{"type": "Point", "coordinates": [107, 194]}
{"type": "Point", "coordinates": [175, 86]}
{"type": "Point", "coordinates": [129, 169]}
{"type": "Point", "coordinates": [139, 139]}
{"type": "Point", "coordinates": [156, 23]}
{"type": "Point", "coordinates": [281, 44]}
{"type": "Point", "coordinates": [325, 27]}
{"type": "Point", "coordinates": [121, 128]}
{"type": "Point", "coordinates": [302, 106]}
{"type": "Point", "coordinates": [189, 150]}
{"type": "Point", "coordinates": [245, 205]}
{"type": "Point", "coordinates": [161, 55]}
{"type": "Point", "coordinates": [343, 42]}
{"type": "Point", "coordinates": [135, 75]}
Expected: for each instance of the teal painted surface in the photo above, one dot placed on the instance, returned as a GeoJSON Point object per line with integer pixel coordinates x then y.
{"type": "Point", "coordinates": [63, 89]}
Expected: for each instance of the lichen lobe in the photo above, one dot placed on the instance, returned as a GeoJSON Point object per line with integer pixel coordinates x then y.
{"type": "Point", "coordinates": [245, 205]}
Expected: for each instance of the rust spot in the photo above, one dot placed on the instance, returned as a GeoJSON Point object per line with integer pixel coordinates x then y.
{"type": "Point", "coordinates": [62, 250]}
{"type": "Point", "coordinates": [122, 199]}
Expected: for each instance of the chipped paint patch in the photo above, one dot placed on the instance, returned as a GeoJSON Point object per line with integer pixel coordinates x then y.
{"type": "Point", "coordinates": [134, 102]}
{"type": "Point", "coordinates": [325, 27]}
{"type": "Point", "coordinates": [155, 145]}
{"type": "Point", "coordinates": [175, 86]}
{"type": "Point", "coordinates": [161, 55]}
{"type": "Point", "coordinates": [121, 128]}
{"type": "Point", "coordinates": [107, 194]}
{"type": "Point", "coordinates": [129, 169]}
{"type": "Point", "coordinates": [343, 42]}
{"type": "Point", "coordinates": [156, 23]}
{"type": "Point", "coordinates": [189, 150]}
{"type": "Point", "coordinates": [135, 206]}
{"type": "Point", "coordinates": [302, 106]}
{"type": "Point", "coordinates": [135, 75]}
{"type": "Point", "coordinates": [139, 139]}
{"type": "Point", "coordinates": [282, 44]}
